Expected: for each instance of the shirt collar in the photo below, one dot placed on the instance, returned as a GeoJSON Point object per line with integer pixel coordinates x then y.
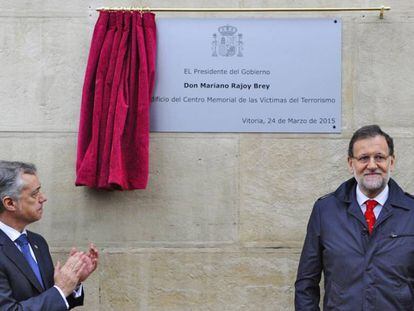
{"type": "Point", "coordinates": [12, 233]}
{"type": "Point", "coordinates": [380, 198]}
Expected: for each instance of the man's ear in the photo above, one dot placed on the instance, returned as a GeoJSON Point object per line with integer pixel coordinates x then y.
{"type": "Point", "coordinates": [9, 204]}
{"type": "Point", "coordinates": [350, 167]}
{"type": "Point", "coordinates": [392, 163]}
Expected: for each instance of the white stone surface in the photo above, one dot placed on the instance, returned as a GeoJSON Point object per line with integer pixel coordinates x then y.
{"type": "Point", "coordinates": [222, 222]}
{"type": "Point", "coordinates": [43, 64]}
{"type": "Point", "coordinates": [191, 197]}
{"type": "Point", "coordinates": [384, 92]}
{"type": "Point", "coordinates": [281, 180]}
{"type": "Point", "coordinates": [214, 279]}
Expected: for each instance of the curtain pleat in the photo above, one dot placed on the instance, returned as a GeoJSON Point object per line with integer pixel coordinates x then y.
{"type": "Point", "coordinates": [113, 140]}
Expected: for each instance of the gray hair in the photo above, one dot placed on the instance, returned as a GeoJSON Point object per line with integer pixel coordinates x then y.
{"type": "Point", "coordinates": [11, 183]}
{"type": "Point", "coordinates": [370, 131]}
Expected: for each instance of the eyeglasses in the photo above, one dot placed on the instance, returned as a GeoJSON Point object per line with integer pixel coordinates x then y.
{"type": "Point", "coordinates": [378, 159]}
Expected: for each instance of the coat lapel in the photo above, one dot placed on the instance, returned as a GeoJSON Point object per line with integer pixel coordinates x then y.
{"type": "Point", "coordinates": [355, 211]}
{"type": "Point", "coordinates": [16, 257]}
{"type": "Point", "coordinates": [396, 199]}
{"type": "Point", "coordinates": [386, 213]}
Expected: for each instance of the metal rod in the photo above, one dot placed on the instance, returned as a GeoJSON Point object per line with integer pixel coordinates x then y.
{"type": "Point", "coordinates": [146, 9]}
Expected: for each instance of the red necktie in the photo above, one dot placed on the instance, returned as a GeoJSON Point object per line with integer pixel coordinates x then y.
{"type": "Point", "coordinates": [369, 214]}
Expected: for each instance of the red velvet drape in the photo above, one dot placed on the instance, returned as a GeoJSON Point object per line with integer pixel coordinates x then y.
{"type": "Point", "coordinates": [113, 139]}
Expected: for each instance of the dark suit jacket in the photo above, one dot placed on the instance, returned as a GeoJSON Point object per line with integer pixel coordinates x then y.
{"type": "Point", "coordinates": [19, 288]}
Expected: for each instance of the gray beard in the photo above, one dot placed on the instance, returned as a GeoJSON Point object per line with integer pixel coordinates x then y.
{"type": "Point", "coordinates": [373, 187]}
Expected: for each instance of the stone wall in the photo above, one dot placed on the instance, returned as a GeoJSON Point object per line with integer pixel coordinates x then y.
{"type": "Point", "coordinates": [222, 222]}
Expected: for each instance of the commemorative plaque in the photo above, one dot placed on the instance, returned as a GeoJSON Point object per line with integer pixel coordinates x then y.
{"type": "Point", "coordinates": [248, 75]}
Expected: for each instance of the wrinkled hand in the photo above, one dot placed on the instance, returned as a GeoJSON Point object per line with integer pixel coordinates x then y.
{"type": "Point", "coordinates": [67, 276]}
{"type": "Point", "coordinates": [90, 261]}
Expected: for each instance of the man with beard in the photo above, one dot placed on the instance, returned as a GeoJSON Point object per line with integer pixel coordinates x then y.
{"type": "Point", "coordinates": [361, 236]}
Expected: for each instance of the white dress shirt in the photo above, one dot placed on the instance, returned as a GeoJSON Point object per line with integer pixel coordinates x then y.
{"type": "Point", "coordinates": [380, 198]}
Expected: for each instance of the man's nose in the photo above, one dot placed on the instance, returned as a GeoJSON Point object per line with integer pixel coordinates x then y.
{"type": "Point", "coordinates": [42, 197]}
{"type": "Point", "coordinates": [371, 163]}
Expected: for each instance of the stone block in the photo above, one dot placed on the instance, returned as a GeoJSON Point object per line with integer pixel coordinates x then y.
{"type": "Point", "coordinates": [195, 279]}
{"type": "Point", "coordinates": [383, 92]}
{"type": "Point", "coordinates": [191, 198]}
{"type": "Point", "coordinates": [43, 65]}
{"type": "Point", "coordinates": [403, 172]}
{"type": "Point", "coordinates": [280, 181]}
{"type": "Point", "coordinates": [123, 281]}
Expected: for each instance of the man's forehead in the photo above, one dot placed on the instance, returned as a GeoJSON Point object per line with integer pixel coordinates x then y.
{"type": "Point", "coordinates": [30, 181]}
{"type": "Point", "coordinates": [376, 143]}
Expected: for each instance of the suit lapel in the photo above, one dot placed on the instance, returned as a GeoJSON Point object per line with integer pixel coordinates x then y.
{"type": "Point", "coordinates": [41, 261]}
{"type": "Point", "coordinates": [13, 253]}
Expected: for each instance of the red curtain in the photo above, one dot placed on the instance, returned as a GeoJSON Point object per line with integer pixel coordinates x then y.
{"type": "Point", "coordinates": [113, 139]}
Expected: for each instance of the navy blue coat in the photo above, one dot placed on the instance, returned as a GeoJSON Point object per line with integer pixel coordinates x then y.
{"type": "Point", "coordinates": [361, 271]}
{"type": "Point", "coordinates": [19, 288]}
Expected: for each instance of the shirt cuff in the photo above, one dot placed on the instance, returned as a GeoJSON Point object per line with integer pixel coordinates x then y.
{"type": "Point", "coordinates": [77, 292]}
{"type": "Point", "coordinates": [63, 296]}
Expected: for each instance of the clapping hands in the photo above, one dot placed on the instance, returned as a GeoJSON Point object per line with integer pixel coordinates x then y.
{"type": "Point", "coordinates": [90, 260]}
{"type": "Point", "coordinates": [77, 268]}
